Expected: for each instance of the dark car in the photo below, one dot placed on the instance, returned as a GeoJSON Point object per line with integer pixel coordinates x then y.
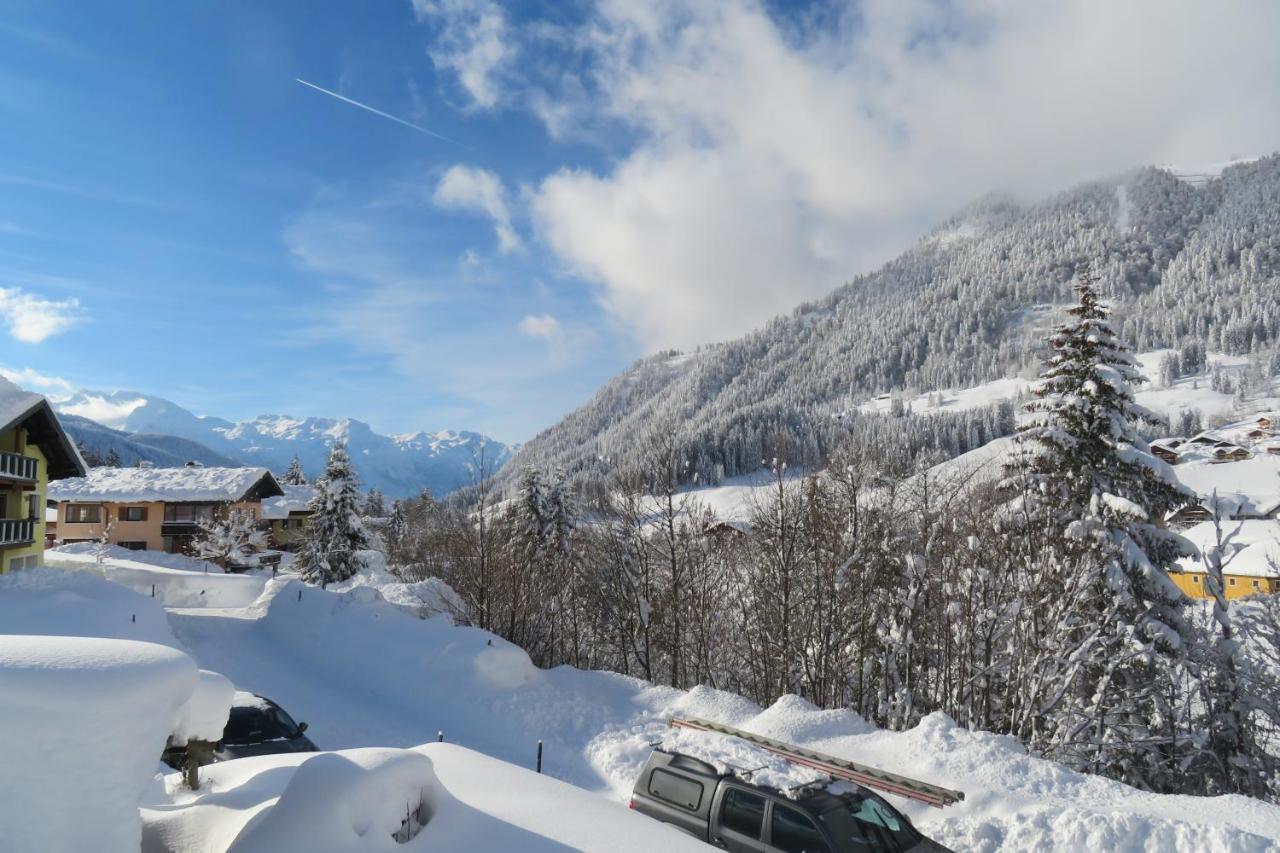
{"type": "Point", "coordinates": [729, 812]}
{"type": "Point", "coordinates": [255, 726]}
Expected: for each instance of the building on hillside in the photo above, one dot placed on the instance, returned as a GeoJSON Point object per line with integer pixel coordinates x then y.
{"type": "Point", "coordinates": [1231, 453]}
{"type": "Point", "coordinates": [156, 509]}
{"type": "Point", "coordinates": [1264, 423]}
{"type": "Point", "coordinates": [1167, 449]}
{"type": "Point", "coordinates": [289, 515]}
{"type": "Point", "coordinates": [1251, 562]}
{"type": "Point", "coordinates": [34, 449]}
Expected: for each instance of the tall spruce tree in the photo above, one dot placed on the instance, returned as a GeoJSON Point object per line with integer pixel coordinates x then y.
{"type": "Point", "coordinates": [336, 532]}
{"type": "Point", "coordinates": [1095, 498]}
{"type": "Point", "coordinates": [295, 476]}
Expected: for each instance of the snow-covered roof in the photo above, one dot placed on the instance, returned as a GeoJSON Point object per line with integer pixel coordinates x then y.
{"type": "Point", "coordinates": [1249, 487]}
{"type": "Point", "coordinates": [1252, 547]}
{"type": "Point", "coordinates": [294, 499]}
{"type": "Point", "coordinates": [166, 484]}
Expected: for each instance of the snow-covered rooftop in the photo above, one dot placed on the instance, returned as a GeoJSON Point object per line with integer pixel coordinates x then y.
{"type": "Point", "coordinates": [1252, 547]}
{"type": "Point", "coordinates": [15, 403]}
{"type": "Point", "coordinates": [1250, 486]}
{"type": "Point", "coordinates": [294, 499]}
{"type": "Point", "coordinates": [164, 484]}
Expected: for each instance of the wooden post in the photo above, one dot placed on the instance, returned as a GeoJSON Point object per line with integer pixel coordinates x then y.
{"type": "Point", "coordinates": [440, 737]}
{"type": "Point", "coordinates": [539, 756]}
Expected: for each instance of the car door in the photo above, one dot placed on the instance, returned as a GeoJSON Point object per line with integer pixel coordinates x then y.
{"type": "Point", "coordinates": [793, 831]}
{"type": "Point", "coordinates": [740, 823]}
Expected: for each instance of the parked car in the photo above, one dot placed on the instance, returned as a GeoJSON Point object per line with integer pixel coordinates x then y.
{"type": "Point", "coordinates": [255, 726]}
{"type": "Point", "coordinates": [736, 815]}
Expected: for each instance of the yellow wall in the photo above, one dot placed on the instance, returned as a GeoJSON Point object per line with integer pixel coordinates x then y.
{"type": "Point", "coordinates": [1236, 586]}
{"type": "Point", "coordinates": [148, 531]}
{"type": "Point", "coordinates": [282, 536]}
{"type": "Point", "coordinates": [13, 502]}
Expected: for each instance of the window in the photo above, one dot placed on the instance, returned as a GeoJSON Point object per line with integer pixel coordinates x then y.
{"type": "Point", "coordinates": [677, 790]}
{"type": "Point", "coordinates": [869, 822]}
{"type": "Point", "coordinates": [1195, 579]}
{"type": "Point", "coordinates": [33, 506]}
{"type": "Point", "coordinates": [742, 812]}
{"type": "Point", "coordinates": [1257, 584]}
{"type": "Point", "coordinates": [133, 513]}
{"type": "Point", "coordinates": [133, 545]}
{"type": "Point", "coordinates": [84, 514]}
{"type": "Point", "coordinates": [19, 563]}
{"type": "Point", "coordinates": [1231, 581]}
{"type": "Point", "coordinates": [792, 832]}
{"type": "Point", "coordinates": [180, 513]}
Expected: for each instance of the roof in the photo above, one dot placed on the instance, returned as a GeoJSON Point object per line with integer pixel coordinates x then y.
{"type": "Point", "coordinates": [1253, 547]}
{"type": "Point", "coordinates": [31, 410]}
{"type": "Point", "coordinates": [294, 499]}
{"type": "Point", "coordinates": [167, 484]}
{"type": "Point", "coordinates": [1250, 487]}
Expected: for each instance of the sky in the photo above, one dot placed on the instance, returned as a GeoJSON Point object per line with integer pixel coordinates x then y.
{"type": "Point", "coordinates": [466, 214]}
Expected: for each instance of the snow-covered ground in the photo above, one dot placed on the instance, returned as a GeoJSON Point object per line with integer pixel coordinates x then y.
{"type": "Point", "coordinates": [363, 673]}
{"type": "Point", "coordinates": [174, 580]}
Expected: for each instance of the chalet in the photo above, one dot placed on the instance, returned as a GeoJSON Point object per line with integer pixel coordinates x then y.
{"type": "Point", "coordinates": [1264, 423]}
{"type": "Point", "coordinates": [34, 449]}
{"type": "Point", "coordinates": [1190, 516]}
{"type": "Point", "coordinates": [1250, 562]}
{"type": "Point", "coordinates": [1231, 453]}
{"type": "Point", "coordinates": [1166, 449]}
{"type": "Point", "coordinates": [288, 514]}
{"type": "Point", "coordinates": [156, 509]}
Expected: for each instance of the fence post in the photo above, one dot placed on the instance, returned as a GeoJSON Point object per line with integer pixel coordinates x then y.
{"type": "Point", "coordinates": [440, 737]}
{"type": "Point", "coordinates": [539, 756]}
{"type": "Point", "coordinates": [153, 590]}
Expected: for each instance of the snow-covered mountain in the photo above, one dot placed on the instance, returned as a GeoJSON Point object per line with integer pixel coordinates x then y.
{"type": "Point", "coordinates": [398, 465]}
{"type": "Point", "coordinates": [1182, 261]}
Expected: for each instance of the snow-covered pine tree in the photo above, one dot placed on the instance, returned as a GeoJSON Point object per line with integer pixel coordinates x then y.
{"type": "Point", "coordinates": [336, 532]}
{"type": "Point", "coordinates": [295, 476]}
{"type": "Point", "coordinates": [233, 537]}
{"type": "Point", "coordinates": [113, 458]}
{"type": "Point", "coordinates": [375, 506]}
{"type": "Point", "coordinates": [1088, 483]}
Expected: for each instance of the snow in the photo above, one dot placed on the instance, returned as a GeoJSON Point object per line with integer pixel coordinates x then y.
{"type": "Point", "coordinates": [136, 485]}
{"type": "Point", "coordinates": [173, 587]}
{"type": "Point", "coordinates": [365, 674]}
{"type": "Point", "coordinates": [84, 723]}
{"type": "Point", "coordinates": [15, 403]}
{"type": "Point", "coordinates": [47, 601]}
{"type": "Point", "coordinates": [294, 499]}
{"type": "Point", "coordinates": [1250, 485]}
{"type": "Point", "coordinates": [1253, 547]}
{"type": "Point", "coordinates": [353, 800]}
{"type": "Point", "coordinates": [204, 715]}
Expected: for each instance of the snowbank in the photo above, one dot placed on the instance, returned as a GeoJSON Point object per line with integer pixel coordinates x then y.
{"type": "Point", "coordinates": [365, 674]}
{"type": "Point", "coordinates": [354, 800]}
{"type": "Point", "coordinates": [173, 587]}
{"type": "Point", "coordinates": [424, 598]}
{"type": "Point", "coordinates": [82, 724]}
{"type": "Point", "coordinates": [204, 715]}
{"type": "Point", "coordinates": [54, 602]}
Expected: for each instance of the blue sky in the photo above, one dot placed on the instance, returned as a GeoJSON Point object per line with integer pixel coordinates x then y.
{"type": "Point", "coordinates": [179, 216]}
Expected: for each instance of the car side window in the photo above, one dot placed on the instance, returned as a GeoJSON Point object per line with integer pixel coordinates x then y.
{"type": "Point", "coordinates": [792, 831]}
{"type": "Point", "coordinates": [742, 812]}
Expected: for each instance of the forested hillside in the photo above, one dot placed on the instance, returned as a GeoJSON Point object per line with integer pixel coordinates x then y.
{"type": "Point", "coordinates": [969, 303]}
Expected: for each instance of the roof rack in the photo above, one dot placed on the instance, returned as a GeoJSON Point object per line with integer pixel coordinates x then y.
{"type": "Point", "coordinates": [836, 768]}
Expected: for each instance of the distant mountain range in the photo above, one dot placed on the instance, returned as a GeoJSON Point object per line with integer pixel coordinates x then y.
{"type": "Point", "coordinates": [140, 426]}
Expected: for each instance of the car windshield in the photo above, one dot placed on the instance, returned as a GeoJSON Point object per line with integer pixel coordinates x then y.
{"type": "Point", "coordinates": [257, 724]}
{"type": "Point", "coordinates": [864, 822]}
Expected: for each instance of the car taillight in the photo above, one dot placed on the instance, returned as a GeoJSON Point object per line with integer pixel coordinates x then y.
{"type": "Point", "coordinates": [631, 804]}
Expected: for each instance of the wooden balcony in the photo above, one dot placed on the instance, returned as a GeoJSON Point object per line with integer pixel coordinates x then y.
{"type": "Point", "coordinates": [14, 531]}
{"type": "Point", "coordinates": [15, 467]}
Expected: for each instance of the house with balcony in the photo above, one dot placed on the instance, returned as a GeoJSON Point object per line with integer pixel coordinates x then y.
{"type": "Point", "coordinates": [289, 515]}
{"type": "Point", "coordinates": [156, 509]}
{"type": "Point", "coordinates": [34, 449]}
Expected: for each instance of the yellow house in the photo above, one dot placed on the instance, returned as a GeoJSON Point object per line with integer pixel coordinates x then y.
{"type": "Point", "coordinates": [34, 449]}
{"type": "Point", "coordinates": [1251, 559]}
{"type": "Point", "coordinates": [156, 509]}
{"type": "Point", "coordinates": [289, 515]}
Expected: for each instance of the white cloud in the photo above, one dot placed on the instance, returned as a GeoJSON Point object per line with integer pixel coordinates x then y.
{"type": "Point", "coordinates": [542, 326]}
{"type": "Point", "coordinates": [776, 162]}
{"type": "Point", "coordinates": [473, 42]}
{"type": "Point", "coordinates": [31, 319]}
{"type": "Point", "coordinates": [106, 411]}
{"type": "Point", "coordinates": [479, 190]}
{"type": "Point", "coordinates": [52, 386]}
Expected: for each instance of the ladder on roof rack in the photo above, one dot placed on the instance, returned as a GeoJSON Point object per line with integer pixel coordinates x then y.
{"type": "Point", "coordinates": [837, 768]}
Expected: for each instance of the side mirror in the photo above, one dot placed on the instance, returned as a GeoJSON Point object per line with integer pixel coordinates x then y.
{"type": "Point", "coordinates": [302, 727]}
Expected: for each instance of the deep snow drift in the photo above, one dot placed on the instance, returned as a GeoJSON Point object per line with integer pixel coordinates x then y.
{"type": "Point", "coordinates": [364, 673]}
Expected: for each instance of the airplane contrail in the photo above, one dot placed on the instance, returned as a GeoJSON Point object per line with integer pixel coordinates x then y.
{"type": "Point", "coordinates": [396, 119]}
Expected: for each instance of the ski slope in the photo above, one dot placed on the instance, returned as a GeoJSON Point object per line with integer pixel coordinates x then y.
{"type": "Point", "coordinates": [364, 673]}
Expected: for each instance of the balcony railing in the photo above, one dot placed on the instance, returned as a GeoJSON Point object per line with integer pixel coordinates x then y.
{"type": "Point", "coordinates": [15, 531]}
{"type": "Point", "coordinates": [15, 466]}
